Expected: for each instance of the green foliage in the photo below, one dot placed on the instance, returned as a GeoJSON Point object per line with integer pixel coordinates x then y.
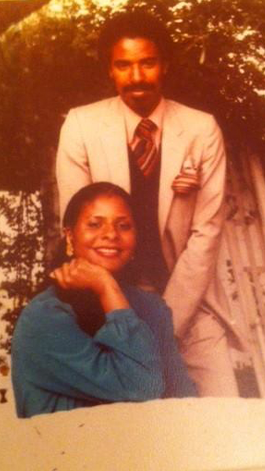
{"type": "Point", "coordinates": [21, 240]}
{"type": "Point", "coordinates": [220, 61]}
{"type": "Point", "coordinates": [11, 316]}
{"type": "Point", "coordinates": [48, 64]}
{"type": "Point", "coordinates": [22, 255]}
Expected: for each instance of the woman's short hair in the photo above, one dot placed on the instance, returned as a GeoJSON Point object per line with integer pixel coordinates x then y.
{"type": "Point", "coordinates": [88, 194]}
{"type": "Point", "coordinates": [132, 24]}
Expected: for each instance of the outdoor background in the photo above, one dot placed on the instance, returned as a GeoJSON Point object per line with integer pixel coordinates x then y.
{"type": "Point", "coordinates": [48, 64]}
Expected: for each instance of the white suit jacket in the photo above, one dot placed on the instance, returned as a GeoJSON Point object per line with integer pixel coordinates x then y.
{"type": "Point", "coordinates": [93, 147]}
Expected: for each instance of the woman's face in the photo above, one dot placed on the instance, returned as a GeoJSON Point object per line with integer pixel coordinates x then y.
{"type": "Point", "coordinates": [104, 233]}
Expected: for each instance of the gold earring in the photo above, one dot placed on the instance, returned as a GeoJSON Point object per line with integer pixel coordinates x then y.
{"type": "Point", "coordinates": [69, 248]}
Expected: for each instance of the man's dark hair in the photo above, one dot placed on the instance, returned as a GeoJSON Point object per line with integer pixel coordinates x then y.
{"type": "Point", "coordinates": [132, 24]}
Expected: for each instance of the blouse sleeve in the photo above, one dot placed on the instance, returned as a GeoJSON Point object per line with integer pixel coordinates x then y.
{"type": "Point", "coordinates": [120, 363]}
{"type": "Point", "coordinates": [152, 309]}
{"type": "Point", "coordinates": [177, 380]}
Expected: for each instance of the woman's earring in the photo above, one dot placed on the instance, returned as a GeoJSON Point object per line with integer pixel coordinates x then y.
{"type": "Point", "coordinates": [69, 248]}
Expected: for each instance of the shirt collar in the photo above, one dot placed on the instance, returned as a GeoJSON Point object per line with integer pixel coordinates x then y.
{"type": "Point", "coordinates": [132, 119]}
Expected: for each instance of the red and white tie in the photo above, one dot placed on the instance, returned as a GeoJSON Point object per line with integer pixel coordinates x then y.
{"type": "Point", "coordinates": [143, 146]}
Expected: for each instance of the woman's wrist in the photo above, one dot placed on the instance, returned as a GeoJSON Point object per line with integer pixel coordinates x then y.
{"type": "Point", "coordinates": [111, 297]}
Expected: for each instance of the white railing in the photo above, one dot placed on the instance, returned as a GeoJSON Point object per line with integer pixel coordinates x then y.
{"type": "Point", "coordinates": [242, 258]}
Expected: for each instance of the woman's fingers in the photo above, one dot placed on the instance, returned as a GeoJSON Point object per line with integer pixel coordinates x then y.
{"type": "Point", "coordinates": [61, 275]}
{"type": "Point", "coordinates": [80, 274]}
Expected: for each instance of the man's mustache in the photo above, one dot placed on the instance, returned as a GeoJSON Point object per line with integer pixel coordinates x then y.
{"type": "Point", "coordinates": [140, 87]}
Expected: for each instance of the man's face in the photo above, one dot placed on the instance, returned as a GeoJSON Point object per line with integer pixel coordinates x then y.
{"type": "Point", "coordinates": [137, 70]}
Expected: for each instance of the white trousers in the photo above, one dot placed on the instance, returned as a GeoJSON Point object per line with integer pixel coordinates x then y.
{"type": "Point", "coordinates": [206, 352]}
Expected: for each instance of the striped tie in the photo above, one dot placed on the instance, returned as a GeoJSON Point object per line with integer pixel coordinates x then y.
{"type": "Point", "coordinates": [144, 150]}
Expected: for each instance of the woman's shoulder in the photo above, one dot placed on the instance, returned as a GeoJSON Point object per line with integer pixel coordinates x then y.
{"type": "Point", "coordinates": [145, 299]}
{"type": "Point", "coordinates": [45, 298]}
{"type": "Point", "coordinates": [45, 302]}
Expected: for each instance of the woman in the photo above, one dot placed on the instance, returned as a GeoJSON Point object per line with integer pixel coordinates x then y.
{"type": "Point", "coordinates": [90, 338]}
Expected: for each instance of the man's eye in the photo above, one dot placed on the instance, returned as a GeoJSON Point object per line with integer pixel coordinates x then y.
{"type": "Point", "coordinates": [121, 65]}
{"type": "Point", "coordinates": [149, 62]}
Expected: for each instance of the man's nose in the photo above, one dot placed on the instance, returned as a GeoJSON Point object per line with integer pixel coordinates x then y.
{"type": "Point", "coordinates": [136, 73]}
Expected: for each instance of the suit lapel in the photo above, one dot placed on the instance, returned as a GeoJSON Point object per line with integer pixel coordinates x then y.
{"type": "Point", "coordinates": [114, 145]}
{"type": "Point", "coordinates": [172, 156]}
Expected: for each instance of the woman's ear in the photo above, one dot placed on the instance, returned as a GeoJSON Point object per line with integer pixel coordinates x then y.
{"type": "Point", "coordinates": [69, 242]}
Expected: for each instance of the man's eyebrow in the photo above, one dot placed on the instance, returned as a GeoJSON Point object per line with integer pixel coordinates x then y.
{"type": "Point", "coordinates": [150, 56]}
{"type": "Point", "coordinates": [121, 61]}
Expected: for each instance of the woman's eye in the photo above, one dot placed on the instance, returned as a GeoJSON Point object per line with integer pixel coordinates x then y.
{"type": "Point", "coordinates": [124, 226]}
{"type": "Point", "coordinates": [93, 224]}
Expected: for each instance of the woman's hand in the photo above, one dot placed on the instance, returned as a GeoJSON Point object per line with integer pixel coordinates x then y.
{"type": "Point", "coordinates": [81, 275]}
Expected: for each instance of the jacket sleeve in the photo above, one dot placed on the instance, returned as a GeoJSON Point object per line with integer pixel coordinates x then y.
{"type": "Point", "coordinates": [120, 363]}
{"type": "Point", "coordinates": [195, 266]}
{"type": "Point", "coordinates": [72, 168]}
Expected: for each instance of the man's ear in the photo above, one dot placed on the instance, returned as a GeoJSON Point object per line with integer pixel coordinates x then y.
{"type": "Point", "coordinates": [165, 67]}
{"type": "Point", "coordinates": [110, 73]}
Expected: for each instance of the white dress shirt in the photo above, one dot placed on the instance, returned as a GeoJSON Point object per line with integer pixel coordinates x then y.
{"type": "Point", "coordinates": [132, 120]}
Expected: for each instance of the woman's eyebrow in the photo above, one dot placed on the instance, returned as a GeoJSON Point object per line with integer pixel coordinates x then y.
{"type": "Point", "coordinates": [123, 218]}
{"type": "Point", "coordinates": [97, 216]}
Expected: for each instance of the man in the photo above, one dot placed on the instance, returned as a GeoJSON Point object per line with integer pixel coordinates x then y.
{"type": "Point", "coordinates": [172, 159]}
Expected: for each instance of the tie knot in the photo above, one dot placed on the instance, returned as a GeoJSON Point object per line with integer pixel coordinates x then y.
{"type": "Point", "coordinates": [145, 128]}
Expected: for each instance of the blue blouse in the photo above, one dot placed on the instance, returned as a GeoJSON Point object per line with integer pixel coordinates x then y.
{"type": "Point", "coordinates": [132, 357]}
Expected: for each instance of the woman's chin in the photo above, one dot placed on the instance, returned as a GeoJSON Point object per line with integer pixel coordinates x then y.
{"type": "Point", "coordinates": [113, 266]}
{"type": "Point", "coordinates": [112, 263]}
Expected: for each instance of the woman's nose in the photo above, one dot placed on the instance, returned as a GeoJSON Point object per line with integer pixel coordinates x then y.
{"type": "Point", "coordinates": [110, 232]}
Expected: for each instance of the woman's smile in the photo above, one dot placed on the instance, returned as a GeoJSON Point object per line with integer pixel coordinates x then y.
{"type": "Point", "coordinates": [107, 251]}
